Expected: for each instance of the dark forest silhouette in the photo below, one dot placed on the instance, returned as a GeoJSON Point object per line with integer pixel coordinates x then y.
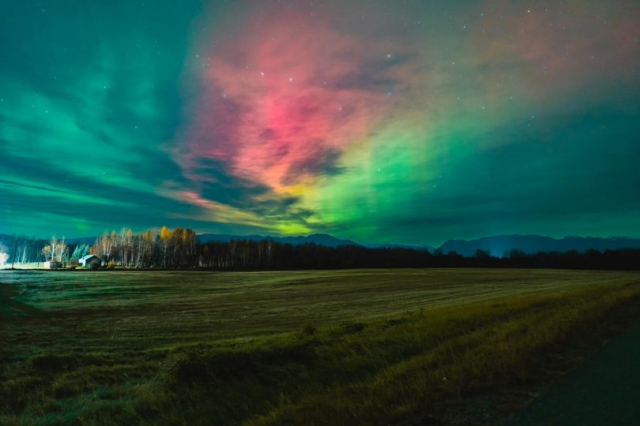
{"type": "Point", "coordinates": [179, 249]}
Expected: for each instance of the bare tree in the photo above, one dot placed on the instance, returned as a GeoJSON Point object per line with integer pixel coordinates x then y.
{"type": "Point", "coordinates": [56, 250]}
{"type": "Point", "coordinates": [165, 238]}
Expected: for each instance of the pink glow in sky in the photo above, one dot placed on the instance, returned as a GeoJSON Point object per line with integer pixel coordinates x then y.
{"type": "Point", "coordinates": [282, 102]}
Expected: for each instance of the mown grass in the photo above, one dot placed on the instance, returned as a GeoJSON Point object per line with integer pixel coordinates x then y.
{"type": "Point", "coordinates": [373, 369]}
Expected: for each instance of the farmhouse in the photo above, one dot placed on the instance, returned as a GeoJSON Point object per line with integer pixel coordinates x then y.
{"type": "Point", "coordinates": [89, 260]}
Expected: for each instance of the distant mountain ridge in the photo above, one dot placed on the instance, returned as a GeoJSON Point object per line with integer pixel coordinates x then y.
{"type": "Point", "coordinates": [500, 245]}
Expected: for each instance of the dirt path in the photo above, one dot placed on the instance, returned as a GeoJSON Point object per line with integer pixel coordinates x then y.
{"type": "Point", "coordinates": [604, 391]}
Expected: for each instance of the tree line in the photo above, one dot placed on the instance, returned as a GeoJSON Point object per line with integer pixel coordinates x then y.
{"type": "Point", "coordinates": [269, 255]}
{"type": "Point", "coordinates": [166, 248]}
{"type": "Point", "coordinates": [20, 249]}
{"type": "Point", "coordinates": [162, 248]}
{"type": "Point", "coordinates": [179, 248]}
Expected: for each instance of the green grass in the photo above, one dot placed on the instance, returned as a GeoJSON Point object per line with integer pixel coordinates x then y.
{"type": "Point", "coordinates": [331, 347]}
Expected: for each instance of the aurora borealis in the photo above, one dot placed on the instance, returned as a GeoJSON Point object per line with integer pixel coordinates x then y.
{"type": "Point", "coordinates": [378, 121]}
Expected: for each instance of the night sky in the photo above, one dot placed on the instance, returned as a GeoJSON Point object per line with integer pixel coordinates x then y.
{"type": "Point", "coordinates": [380, 121]}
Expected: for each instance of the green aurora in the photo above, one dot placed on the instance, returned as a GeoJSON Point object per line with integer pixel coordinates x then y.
{"type": "Point", "coordinates": [369, 120]}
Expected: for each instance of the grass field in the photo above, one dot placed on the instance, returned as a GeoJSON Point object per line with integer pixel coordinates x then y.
{"type": "Point", "coordinates": [319, 347]}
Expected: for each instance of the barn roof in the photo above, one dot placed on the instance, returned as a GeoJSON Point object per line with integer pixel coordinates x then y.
{"type": "Point", "coordinates": [89, 256]}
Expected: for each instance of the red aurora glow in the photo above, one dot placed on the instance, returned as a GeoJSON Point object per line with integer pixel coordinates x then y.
{"type": "Point", "coordinates": [281, 102]}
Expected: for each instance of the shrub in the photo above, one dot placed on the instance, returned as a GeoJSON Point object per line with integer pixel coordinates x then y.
{"type": "Point", "coordinates": [111, 265]}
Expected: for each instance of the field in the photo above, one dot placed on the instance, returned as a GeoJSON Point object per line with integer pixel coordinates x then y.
{"type": "Point", "coordinates": [312, 347]}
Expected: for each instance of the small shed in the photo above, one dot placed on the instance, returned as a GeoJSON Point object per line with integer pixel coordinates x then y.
{"type": "Point", "coordinates": [52, 264]}
{"type": "Point", "coordinates": [90, 260]}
